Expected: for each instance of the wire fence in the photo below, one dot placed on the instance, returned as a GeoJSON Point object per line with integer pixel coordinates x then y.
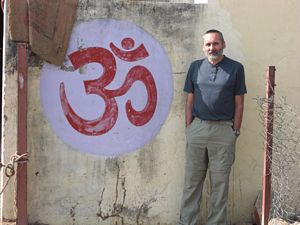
{"type": "Point", "coordinates": [285, 159]}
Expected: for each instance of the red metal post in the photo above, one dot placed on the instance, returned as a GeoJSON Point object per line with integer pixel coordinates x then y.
{"type": "Point", "coordinates": [21, 197]}
{"type": "Point", "coordinates": [268, 145]}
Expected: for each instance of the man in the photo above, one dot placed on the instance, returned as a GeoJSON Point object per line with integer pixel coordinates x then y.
{"type": "Point", "coordinates": [215, 89]}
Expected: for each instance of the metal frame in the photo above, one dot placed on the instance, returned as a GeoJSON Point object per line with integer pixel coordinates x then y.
{"type": "Point", "coordinates": [268, 145]}
{"type": "Point", "coordinates": [21, 196]}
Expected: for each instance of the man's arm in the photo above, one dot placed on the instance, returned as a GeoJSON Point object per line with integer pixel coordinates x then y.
{"type": "Point", "coordinates": [189, 109]}
{"type": "Point", "coordinates": [238, 112]}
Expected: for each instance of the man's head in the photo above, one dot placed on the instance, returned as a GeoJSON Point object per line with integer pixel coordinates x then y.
{"type": "Point", "coordinates": [213, 45]}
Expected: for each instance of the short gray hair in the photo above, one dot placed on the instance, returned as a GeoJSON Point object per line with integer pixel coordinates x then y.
{"type": "Point", "coordinates": [215, 31]}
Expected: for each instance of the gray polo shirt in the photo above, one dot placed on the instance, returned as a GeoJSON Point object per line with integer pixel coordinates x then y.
{"type": "Point", "coordinates": [214, 88]}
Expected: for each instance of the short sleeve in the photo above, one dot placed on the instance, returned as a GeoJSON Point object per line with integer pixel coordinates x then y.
{"type": "Point", "coordinates": [240, 87]}
{"type": "Point", "coordinates": [189, 86]}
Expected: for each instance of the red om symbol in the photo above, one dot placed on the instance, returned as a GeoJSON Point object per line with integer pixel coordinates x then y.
{"type": "Point", "coordinates": [104, 123]}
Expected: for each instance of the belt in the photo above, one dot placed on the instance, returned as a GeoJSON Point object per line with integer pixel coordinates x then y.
{"type": "Point", "coordinates": [225, 122]}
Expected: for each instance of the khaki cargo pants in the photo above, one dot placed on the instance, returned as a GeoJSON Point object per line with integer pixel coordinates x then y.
{"type": "Point", "coordinates": [210, 146]}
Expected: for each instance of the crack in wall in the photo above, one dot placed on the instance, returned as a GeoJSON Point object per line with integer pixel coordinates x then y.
{"type": "Point", "coordinates": [117, 208]}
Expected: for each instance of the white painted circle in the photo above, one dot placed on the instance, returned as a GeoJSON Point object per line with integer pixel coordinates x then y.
{"type": "Point", "coordinates": [123, 137]}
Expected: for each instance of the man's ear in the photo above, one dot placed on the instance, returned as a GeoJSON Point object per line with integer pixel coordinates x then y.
{"type": "Point", "coordinates": [224, 44]}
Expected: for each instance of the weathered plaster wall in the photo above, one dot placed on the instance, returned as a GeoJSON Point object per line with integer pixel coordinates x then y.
{"type": "Point", "coordinates": [268, 36]}
{"type": "Point", "coordinates": [144, 187]}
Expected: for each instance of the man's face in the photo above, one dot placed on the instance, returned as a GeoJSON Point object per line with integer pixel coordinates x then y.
{"type": "Point", "coordinates": [213, 46]}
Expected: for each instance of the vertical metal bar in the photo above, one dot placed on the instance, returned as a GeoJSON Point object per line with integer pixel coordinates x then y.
{"type": "Point", "coordinates": [268, 144]}
{"type": "Point", "coordinates": [21, 196]}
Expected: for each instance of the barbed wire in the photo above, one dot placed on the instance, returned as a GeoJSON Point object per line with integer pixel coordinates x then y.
{"type": "Point", "coordinates": [285, 157]}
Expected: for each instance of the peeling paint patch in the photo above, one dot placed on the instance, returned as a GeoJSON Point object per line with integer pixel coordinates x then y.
{"type": "Point", "coordinates": [21, 81]}
{"type": "Point", "coordinates": [67, 68]}
{"type": "Point", "coordinates": [38, 223]}
{"type": "Point", "coordinates": [82, 70]}
{"type": "Point", "coordinates": [73, 213]}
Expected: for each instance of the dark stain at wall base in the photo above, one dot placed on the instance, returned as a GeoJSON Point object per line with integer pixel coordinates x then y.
{"type": "Point", "coordinates": [37, 223]}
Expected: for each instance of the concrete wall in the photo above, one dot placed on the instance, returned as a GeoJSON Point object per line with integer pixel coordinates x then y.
{"type": "Point", "coordinates": [67, 186]}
